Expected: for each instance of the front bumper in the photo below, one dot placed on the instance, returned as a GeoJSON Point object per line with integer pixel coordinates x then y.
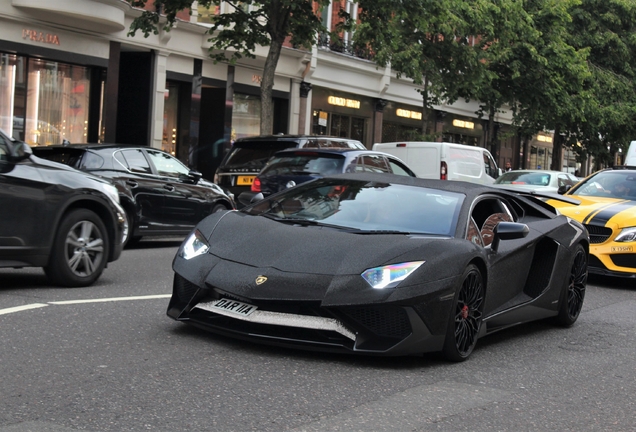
{"type": "Point", "coordinates": [613, 259]}
{"type": "Point", "coordinates": [385, 329]}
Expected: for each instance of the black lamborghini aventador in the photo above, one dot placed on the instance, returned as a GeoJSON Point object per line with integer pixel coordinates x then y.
{"type": "Point", "coordinates": [381, 264]}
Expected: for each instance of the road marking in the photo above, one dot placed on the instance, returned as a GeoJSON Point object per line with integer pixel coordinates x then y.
{"type": "Point", "coordinates": [22, 308]}
{"type": "Point", "coordinates": [112, 299]}
{"type": "Point", "coordinates": [70, 302]}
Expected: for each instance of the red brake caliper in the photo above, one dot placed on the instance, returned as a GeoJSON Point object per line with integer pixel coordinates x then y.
{"type": "Point", "coordinates": [465, 312]}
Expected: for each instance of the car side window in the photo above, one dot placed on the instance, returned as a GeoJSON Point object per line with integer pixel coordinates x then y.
{"type": "Point", "coordinates": [490, 166]}
{"type": "Point", "coordinates": [375, 163]}
{"type": "Point", "coordinates": [4, 150]}
{"type": "Point", "coordinates": [399, 168]}
{"type": "Point", "coordinates": [167, 165]}
{"type": "Point", "coordinates": [91, 161]}
{"type": "Point", "coordinates": [135, 161]}
{"type": "Point", "coordinates": [486, 214]}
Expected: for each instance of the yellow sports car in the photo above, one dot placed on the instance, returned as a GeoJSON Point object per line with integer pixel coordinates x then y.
{"type": "Point", "coordinates": [608, 210]}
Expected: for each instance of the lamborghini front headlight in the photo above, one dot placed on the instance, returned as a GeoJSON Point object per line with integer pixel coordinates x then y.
{"type": "Point", "coordinates": [194, 245]}
{"type": "Point", "coordinates": [389, 276]}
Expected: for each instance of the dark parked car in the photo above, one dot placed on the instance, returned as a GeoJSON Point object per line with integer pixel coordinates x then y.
{"type": "Point", "coordinates": [381, 264]}
{"type": "Point", "coordinates": [248, 156]}
{"type": "Point", "coordinates": [52, 216]}
{"type": "Point", "coordinates": [288, 168]}
{"type": "Point", "coordinates": [160, 194]}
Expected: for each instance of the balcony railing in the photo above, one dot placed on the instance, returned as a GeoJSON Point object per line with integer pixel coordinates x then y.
{"type": "Point", "coordinates": [340, 46]}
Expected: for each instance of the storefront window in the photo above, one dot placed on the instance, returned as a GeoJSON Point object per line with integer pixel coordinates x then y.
{"type": "Point", "coordinates": [57, 103]}
{"type": "Point", "coordinates": [12, 94]}
{"type": "Point", "coordinates": [246, 116]}
{"type": "Point", "coordinates": [540, 157]}
{"type": "Point", "coordinates": [170, 116]}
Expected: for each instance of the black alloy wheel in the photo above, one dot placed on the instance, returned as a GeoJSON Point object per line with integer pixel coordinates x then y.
{"type": "Point", "coordinates": [80, 250]}
{"type": "Point", "coordinates": [573, 294]}
{"type": "Point", "coordinates": [466, 317]}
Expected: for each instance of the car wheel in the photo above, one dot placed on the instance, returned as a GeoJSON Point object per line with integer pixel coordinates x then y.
{"type": "Point", "coordinates": [466, 316]}
{"type": "Point", "coordinates": [573, 293]}
{"type": "Point", "coordinates": [80, 250]}
{"type": "Point", "coordinates": [129, 230]}
{"type": "Point", "coordinates": [218, 208]}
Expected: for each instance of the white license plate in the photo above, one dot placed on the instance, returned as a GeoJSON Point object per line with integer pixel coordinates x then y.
{"type": "Point", "coordinates": [622, 249]}
{"type": "Point", "coordinates": [233, 307]}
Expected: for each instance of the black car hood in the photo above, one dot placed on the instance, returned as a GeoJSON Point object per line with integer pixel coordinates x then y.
{"type": "Point", "coordinates": [57, 166]}
{"type": "Point", "coordinates": [260, 242]}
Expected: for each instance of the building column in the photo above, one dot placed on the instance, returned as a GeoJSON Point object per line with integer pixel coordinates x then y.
{"type": "Point", "coordinates": [229, 104]}
{"type": "Point", "coordinates": [195, 112]}
{"type": "Point", "coordinates": [378, 118]}
{"type": "Point", "coordinates": [303, 118]}
{"type": "Point", "coordinates": [111, 92]}
{"type": "Point", "coordinates": [158, 98]}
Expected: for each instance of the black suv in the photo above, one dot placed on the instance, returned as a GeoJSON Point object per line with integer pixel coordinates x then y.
{"type": "Point", "coordinates": [248, 156]}
{"type": "Point", "coordinates": [290, 167]}
{"type": "Point", "coordinates": [55, 217]}
{"type": "Point", "coordinates": [161, 196]}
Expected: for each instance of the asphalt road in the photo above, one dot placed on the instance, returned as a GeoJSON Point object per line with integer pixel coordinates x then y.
{"type": "Point", "coordinates": [106, 358]}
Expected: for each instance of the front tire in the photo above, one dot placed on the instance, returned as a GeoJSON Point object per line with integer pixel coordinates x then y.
{"type": "Point", "coordinates": [573, 293]}
{"type": "Point", "coordinates": [466, 317]}
{"type": "Point", "coordinates": [80, 250]}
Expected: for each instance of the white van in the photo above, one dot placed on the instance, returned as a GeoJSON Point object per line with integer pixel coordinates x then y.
{"type": "Point", "coordinates": [630, 157]}
{"type": "Point", "coordinates": [446, 161]}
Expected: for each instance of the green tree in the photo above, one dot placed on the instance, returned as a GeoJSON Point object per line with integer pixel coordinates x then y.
{"type": "Point", "coordinates": [430, 43]}
{"type": "Point", "coordinates": [531, 69]}
{"type": "Point", "coordinates": [607, 28]}
{"type": "Point", "coordinates": [236, 34]}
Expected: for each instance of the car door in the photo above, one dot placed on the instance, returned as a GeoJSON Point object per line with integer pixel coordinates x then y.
{"type": "Point", "coordinates": [510, 264]}
{"type": "Point", "coordinates": [147, 190]}
{"type": "Point", "coordinates": [25, 226]}
{"type": "Point", "coordinates": [185, 203]}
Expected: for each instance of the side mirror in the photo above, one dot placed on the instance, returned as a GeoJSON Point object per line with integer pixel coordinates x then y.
{"type": "Point", "coordinates": [247, 198]}
{"type": "Point", "coordinates": [508, 231]}
{"type": "Point", "coordinates": [191, 177]}
{"type": "Point", "coordinates": [563, 189]}
{"type": "Point", "coordinates": [21, 151]}
{"type": "Point", "coordinates": [195, 176]}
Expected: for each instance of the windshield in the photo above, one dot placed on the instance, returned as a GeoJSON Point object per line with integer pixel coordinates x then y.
{"type": "Point", "coordinates": [366, 207]}
{"type": "Point", "coordinates": [524, 178]}
{"type": "Point", "coordinates": [303, 163]}
{"type": "Point", "coordinates": [254, 154]}
{"type": "Point", "coordinates": [608, 184]}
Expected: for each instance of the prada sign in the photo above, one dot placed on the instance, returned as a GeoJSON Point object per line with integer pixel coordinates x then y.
{"type": "Point", "coordinates": [38, 36]}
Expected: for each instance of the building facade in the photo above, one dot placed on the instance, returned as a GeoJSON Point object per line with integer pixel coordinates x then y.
{"type": "Point", "coordinates": [69, 71]}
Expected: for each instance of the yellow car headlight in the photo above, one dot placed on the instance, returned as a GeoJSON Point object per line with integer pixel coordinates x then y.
{"type": "Point", "coordinates": [626, 235]}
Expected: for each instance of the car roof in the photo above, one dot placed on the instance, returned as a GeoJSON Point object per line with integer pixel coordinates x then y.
{"type": "Point", "coordinates": [291, 138]}
{"type": "Point", "coordinates": [91, 146]}
{"type": "Point", "coordinates": [329, 150]}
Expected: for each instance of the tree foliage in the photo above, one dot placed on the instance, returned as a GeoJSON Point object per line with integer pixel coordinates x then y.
{"type": "Point", "coordinates": [607, 28]}
{"type": "Point", "coordinates": [429, 42]}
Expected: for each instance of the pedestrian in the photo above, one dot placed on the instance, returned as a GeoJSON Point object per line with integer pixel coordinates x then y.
{"type": "Point", "coordinates": [508, 167]}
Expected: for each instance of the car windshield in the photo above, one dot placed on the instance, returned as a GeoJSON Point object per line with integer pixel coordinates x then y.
{"type": "Point", "coordinates": [254, 154]}
{"type": "Point", "coordinates": [608, 184]}
{"type": "Point", "coordinates": [303, 163]}
{"type": "Point", "coordinates": [524, 178]}
{"type": "Point", "coordinates": [366, 207]}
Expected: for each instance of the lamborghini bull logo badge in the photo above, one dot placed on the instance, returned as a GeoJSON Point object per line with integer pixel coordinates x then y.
{"type": "Point", "coordinates": [260, 280]}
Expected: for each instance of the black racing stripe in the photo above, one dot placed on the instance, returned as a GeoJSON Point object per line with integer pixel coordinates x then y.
{"type": "Point", "coordinates": [594, 212]}
{"type": "Point", "coordinates": [607, 213]}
